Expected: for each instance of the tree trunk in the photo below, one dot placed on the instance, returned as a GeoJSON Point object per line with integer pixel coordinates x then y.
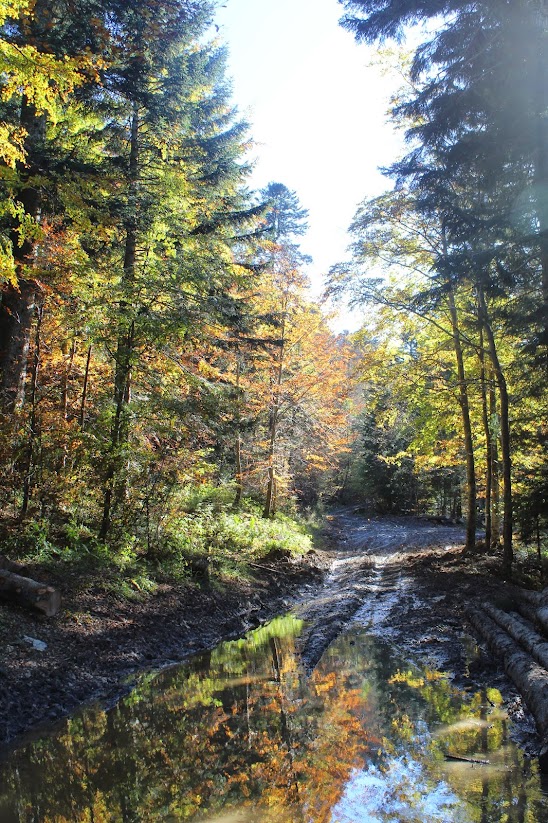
{"type": "Point", "coordinates": [488, 446]}
{"type": "Point", "coordinates": [471, 492]}
{"type": "Point", "coordinates": [274, 415]}
{"type": "Point", "coordinates": [541, 175]}
{"type": "Point", "coordinates": [33, 422]}
{"type": "Point", "coordinates": [85, 390]}
{"type": "Point", "coordinates": [66, 379]}
{"type": "Point", "coordinates": [119, 432]}
{"type": "Point", "coordinates": [471, 518]}
{"type": "Point", "coordinates": [126, 337]}
{"type": "Point", "coordinates": [11, 565]}
{"type": "Point", "coordinates": [530, 678]}
{"type": "Point", "coordinates": [507, 547]}
{"type": "Point", "coordinates": [238, 445]}
{"type": "Point", "coordinates": [495, 480]}
{"type": "Point", "coordinates": [18, 301]}
{"type": "Point", "coordinates": [522, 632]}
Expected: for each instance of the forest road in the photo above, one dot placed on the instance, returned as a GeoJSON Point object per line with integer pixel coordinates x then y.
{"type": "Point", "coordinates": [395, 576]}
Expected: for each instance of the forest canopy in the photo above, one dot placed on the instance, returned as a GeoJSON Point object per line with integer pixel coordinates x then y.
{"type": "Point", "coordinates": [160, 354]}
{"type": "Point", "coordinates": [159, 351]}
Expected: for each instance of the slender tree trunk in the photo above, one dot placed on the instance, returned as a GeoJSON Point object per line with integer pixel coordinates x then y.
{"type": "Point", "coordinates": [274, 416]}
{"type": "Point", "coordinates": [18, 301]}
{"type": "Point", "coordinates": [238, 444]}
{"type": "Point", "coordinates": [471, 492]}
{"type": "Point", "coordinates": [507, 547]}
{"type": "Point", "coordinates": [271, 483]}
{"type": "Point", "coordinates": [495, 493]}
{"type": "Point", "coordinates": [239, 474]}
{"type": "Point", "coordinates": [33, 422]}
{"type": "Point", "coordinates": [488, 445]}
{"type": "Point", "coordinates": [126, 338]}
{"type": "Point", "coordinates": [64, 403]}
{"type": "Point", "coordinates": [118, 437]}
{"type": "Point", "coordinates": [541, 172]}
{"type": "Point", "coordinates": [66, 379]}
{"type": "Point", "coordinates": [85, 390]}
{"type": "Point", "coordinates": [471, 518]}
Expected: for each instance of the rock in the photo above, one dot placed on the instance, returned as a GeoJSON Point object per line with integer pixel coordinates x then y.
{"type": "Point", "coordinates": [39, 645]}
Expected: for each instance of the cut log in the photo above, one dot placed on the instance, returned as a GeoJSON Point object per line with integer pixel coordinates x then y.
{"type": "Point", "coordinates": [527, 595]}
{"type": "Point", "coordinates": [530, 678]}
{"type": "Point", "coordinates": [527, 611]}
{"type": "Point", "coordinates": [29, 592]}
{"type": "Point", "coordinates": [460, 759]}
{"type": "Point", "coordinates": [11, 565]}
{"type": "Point", "coordinates": [542, 618]}
{"type": "Point", "coordinates": [522, 632]}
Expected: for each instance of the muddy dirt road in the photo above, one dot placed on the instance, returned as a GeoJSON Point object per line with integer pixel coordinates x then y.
{"type": "Point", "coordinates": [402, 578]}
{"type": "Point", "coordinates": [405, 580]}
{"type": "Point", "coordinates": [372, 579]}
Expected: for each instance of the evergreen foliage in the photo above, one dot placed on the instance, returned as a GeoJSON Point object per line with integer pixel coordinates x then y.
{"type": "Point", "coordinates": [467, 223]}
{"type": "Point", "coordinates": [139, 322]}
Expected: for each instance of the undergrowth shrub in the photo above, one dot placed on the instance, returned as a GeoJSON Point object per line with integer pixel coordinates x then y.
{"type": "Point", "coordinates": [205, 533]}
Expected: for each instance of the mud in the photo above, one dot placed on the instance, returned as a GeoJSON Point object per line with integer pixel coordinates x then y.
{"type": "Point", "coordinates": [407, 581]}
{"type": "Point", "coordinates": [98, 644]}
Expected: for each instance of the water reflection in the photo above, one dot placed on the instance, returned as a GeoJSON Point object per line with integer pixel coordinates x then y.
{"type": "Point", "coordinates": [240, 735]}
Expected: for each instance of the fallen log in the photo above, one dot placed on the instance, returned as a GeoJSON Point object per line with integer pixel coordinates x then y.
{"type": "Point", "coordinates": [29, 592]}
{"type": "Point", "coordinates": [533, 606]}
{"type": "Point", "coordinates": [527, 595]}
{"type": "Point", "coordinates": [542, 618]}
{"type": "Point", "coordinates": [519, 630]}
{"type": "Point", "coordinates": [459, 759]}
{"type": "Point", "coordinates": [530, 678]}
{"type": "Point", "coordinates": [527, 611]}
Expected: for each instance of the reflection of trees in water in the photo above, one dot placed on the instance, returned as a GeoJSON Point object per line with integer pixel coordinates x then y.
{"type": "Point", "coordinates": [242, 728]}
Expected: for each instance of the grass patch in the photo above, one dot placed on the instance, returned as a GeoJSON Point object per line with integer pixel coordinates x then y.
{"type": "Point", "coordinates": [207, 541]}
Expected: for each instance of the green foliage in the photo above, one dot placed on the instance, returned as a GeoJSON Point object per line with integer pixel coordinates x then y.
{"type": "Point", "coordinates": [228, 540]}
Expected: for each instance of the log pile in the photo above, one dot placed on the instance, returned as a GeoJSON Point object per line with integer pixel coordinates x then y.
{"type": "Point", "coordinates": [518, 636]}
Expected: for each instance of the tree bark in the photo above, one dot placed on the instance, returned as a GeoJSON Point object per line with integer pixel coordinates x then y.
{"type": "Point", "coordinates": [85, 390]}
{"type": "Point", "coordinates": [507, 524]}
{"type": "Point", "coordinates": [495, 480]}
{"type": "Point", "coordinates": [530, 678]}
{"type": "Point", "coordinates": [126, 337]}
{"type": "Point", "coordinates": [522, 632]}
{"type": "Point", "coordinates": [11, 565]}
{"type": "Point", "coordinates": [274, 415]}
{"type": "Point", "coordinates": [19, 300]}
{"type": "Point", "coordinates": [238, 444]}
{"type": "Point", "coordinates": [488, 445]}
{"type": "Point", "coordinates": [541, 174]}
{"type": "Point", "coordinates": [471, 491]}
{"type": "Point", "coordinates": [33, 422]}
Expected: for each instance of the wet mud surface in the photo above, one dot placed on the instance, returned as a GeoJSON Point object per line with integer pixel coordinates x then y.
{"type": "Point", "coordinates": [404, 579]}
{"type": "Point", "coordinates": [97, 645]}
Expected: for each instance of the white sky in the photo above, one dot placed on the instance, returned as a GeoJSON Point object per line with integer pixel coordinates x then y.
{"type": "Point", "coordinates": [317, 111]}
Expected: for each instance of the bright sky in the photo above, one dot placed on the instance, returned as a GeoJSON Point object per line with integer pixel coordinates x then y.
{"type": "Point", "coordinates": [317, 110]}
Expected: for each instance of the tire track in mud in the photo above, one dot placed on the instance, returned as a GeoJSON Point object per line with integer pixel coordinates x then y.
{"type": "Point", "coordinates": [369, 575]}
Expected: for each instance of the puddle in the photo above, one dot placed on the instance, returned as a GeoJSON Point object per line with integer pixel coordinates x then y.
{"type": "Point", "coordinates": [242, 735]}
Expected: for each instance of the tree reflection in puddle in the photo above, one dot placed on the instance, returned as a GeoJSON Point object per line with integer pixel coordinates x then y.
{"type": "Point", "coordinates": [241, 735]}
